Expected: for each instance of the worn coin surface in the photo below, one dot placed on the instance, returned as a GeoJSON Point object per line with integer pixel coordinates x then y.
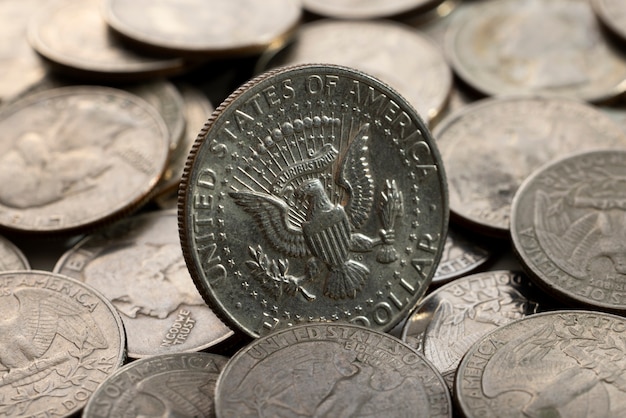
{"type": "Point", "coordinates": [330, 370]}
{"type": "Point", "coordinates": [612, 13]}
{"type": "Point", "coordinates": [60, 340]}
{"type": "Point", "coordinates": [555, 47]}
{"type": "Point", "coordinates": [486, 166]}
{"type": "Point", "coordinates": [167, 385]}
{"type": "Point", "coordinates": [314, 193]}
{"type": "Point", "coordinates": [452, 318]}
{"type": "Point", "coordinates": [393, 52]}
{"type": "Point", "coordinates": [556, 364]}
{"type": "Point", "coordinates": [11, 257]}
{"type": "Point", "coordinates": [73, 35]}
{"type": "Point", "coordinates": [366, 9]}
{"type": "Point", "coordinates": [75, 158]}
{"type": "Point", "coordinates": [204, 28]}
{"type": "Point", "coordinates": [138, 265]}
{"type": "Point", "coordinates": [568, 223]}
{"type": "Point", "coordinates": [461, 254]}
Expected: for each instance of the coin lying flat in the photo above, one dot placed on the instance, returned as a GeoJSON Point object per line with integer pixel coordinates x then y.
{"type": "Point", "coordinates": [330, 370]}
{"type": "Point", "coordinates": [568, 223]}
{"type": "Point", "coordinates": [60, 340]}
{"type": "Point", "coordinates": [173, 385]}
{"type": "Point", "coordinates": [612, 13]}
{"type": "Point", "coordinates": [391, 51]}
{"type": "Point", "coordinates": [555, 47]}
{"type": "Point", "coordinates": [201, 28]}
{"type": "Point", "coordinates": [557, 364]}
{"type": "Point", "coordinates": [314, 193]}
{"type": "Point", "coordinates": [366, 9]}
{"type": "Point", "coordinates": [75, 158]}
{"type": "Point", "coordinates": [11, 257]}
{"type": "Point", "coordinates": [449, 320]}
{"type": "Point", "coordinates": [486, 166]}
{"type": "Point", "coordinates": [138, 265]}
{"type": "Point", "coordinates": [73, 36]}
{"type": "Point", "coordinates": [461, 255]}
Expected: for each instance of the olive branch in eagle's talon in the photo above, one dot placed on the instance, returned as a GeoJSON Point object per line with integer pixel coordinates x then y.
{"type": "Point", "coordinates": [392, 206]}
{"type": "Point", "coordinates": [273, 274]}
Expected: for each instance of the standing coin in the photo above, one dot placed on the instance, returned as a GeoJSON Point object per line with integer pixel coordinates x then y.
{"type": "Point", "coordinates": [556, 364]}
{"type": "Point", "coordinates": [11, 258]}
{"type": "Point", "coordinates": [75, 158]}
{"type": "Point", "coordinates": [492, 145]}
{"type": "Point", "coordinates": [60, 340]}
{"type": "Point", "coordinates": [367, 9]}
{"type": "Point", "coordinates": [314, 193]}
{"type": "Point", "coordinates": [138, 265]}
{"type": "Point", "coordinates": [452, 318]}
{"type": "Point", "coordinates": [518, 47]}
{"type": "Point", "coordinates": [568, 223]}
{"type": "Point", "coordinates": [204, 28]}
{"type": "Point", "coordinates": [612, 13]}
{"type": "Point", "coordinates": [330, 370]}
{"type": "Point", "coordinates": [72, 35]}
{"type": "Point", "coordinates": [391, 51]}
{"type": "Point", "coordinates": [166, 385]}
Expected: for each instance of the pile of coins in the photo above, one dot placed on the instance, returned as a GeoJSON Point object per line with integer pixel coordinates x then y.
{"type": "Point", "coordinates": [400, 208]}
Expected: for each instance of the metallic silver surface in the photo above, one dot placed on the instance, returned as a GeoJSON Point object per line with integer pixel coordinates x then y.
{"type": "Point", "coordinates": [330, 370]}
{"type": "Point", "coordinates": [138, 265]}
{"type": "Point", "coordinates": [314, 193]}
{"type": "Point", "coordinates": [60, 340]}
{"type": "Point", "coordinates": [11, 257]}
{"type": "Point", "coordinates": [366, 9]}
{"type": "Point", "coordinates": [612, 13]}
{"type": "Point", "coordinates": [568, 226]}
{"type": "Point", "coordinates": [461, 255]}
{"type": "Point", "coordinates": [557, 364]}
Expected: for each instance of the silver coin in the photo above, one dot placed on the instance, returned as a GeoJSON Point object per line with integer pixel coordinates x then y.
{"type": "Point", "coordinates": [75, 158]}
{"type": "Point", "coordinates": [138, 265]}
{"type": "Point", "coordinates": [492, 145]}
{"type": "Point", "coordinates": [612, 13]}
{"type": "Point", "coordinates": [60, 340]}
{"type": "Point", "coordinates": [461, 255]}
{"type": "Point", "coordinates": [11, 257]}
{"type": "Point", "coordinates": [453, 317]}
{"type": "Point", "coordinates": [172, 385]}
{"type": "Point", "coordinates": [568, 224]}
{"type": "Point", "coordinates": [330, 370]}
{"type": "Point", "coordinates": [537, 47]}
{"type": "Point", "coordinates": [314, 193]}
{"type": "Point", "coordinates": [556, 364]}
{"type": "Point", "coordinates": [391, 51]}
{"type": "Point", "coordinates": [367, 9]}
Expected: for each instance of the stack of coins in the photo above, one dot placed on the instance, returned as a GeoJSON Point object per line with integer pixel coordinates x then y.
{"type": "Point", "coordinates": [313, 208]}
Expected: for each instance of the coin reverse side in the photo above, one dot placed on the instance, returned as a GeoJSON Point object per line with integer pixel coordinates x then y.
{"type": "Point", "coordinates": [314, 193]}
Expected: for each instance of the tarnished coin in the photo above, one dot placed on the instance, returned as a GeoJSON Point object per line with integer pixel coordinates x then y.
{"type": "Point", "coordinates": [367, 9]}
{"type": "Point", "coordinates": [196, 108]}
{"type": "Point", "coordinates": [204, 28]}
{"type": "Point", "coordinates": [568, 223]}
{"type": "Point", "coordinates": [612, 13]}
{"type": "Point", "coordinates": [75, 158]}
{"type": "Point", "coordinates": [557, 364]}
{"type": "Point", "coordinates": [460, 256]}
{"type": "Point", "coordinates": [11, 257]}
{"type": "Point", "coordinates": [73, 36]}
{"type": "Point", "coordinates": [555, 47]}
{"type": "Point", "coordinates": [138, 265]}
{"type": "Point", "coordinates": [452, 318]}
{"type": "Point", "coordinates": [60, 340]}
{"type": "Point", "coordinates": [492, 145]}
{"type": "Point", "coordinates": [393, 52]}
{"type": "Point", "coordinates": [20, 67]}
{"type": "Point", "coordinates": [330, 370]}
{"type": "Point", "coordinates": [314, 193]}
{"type": "Point", "coordinates": [166, 385]}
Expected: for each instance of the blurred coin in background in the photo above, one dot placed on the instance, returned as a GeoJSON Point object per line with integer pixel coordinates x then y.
{"type": "Point", "coordinates": [490, 146]}
{"type": "Point", "coordinates": [568, 223]}
{"type": "Point", "coordinates": [11, 257]}
{"type": "Point", "coordinates": [75, 158]}
{"type": "Point", "coordinates": [367, 9]}
{"type": "Point", "coordinates": [612, 14]}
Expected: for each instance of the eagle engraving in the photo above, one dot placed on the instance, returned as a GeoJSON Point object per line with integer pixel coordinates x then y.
{"type": "Point", "coordinates": [327, 232]}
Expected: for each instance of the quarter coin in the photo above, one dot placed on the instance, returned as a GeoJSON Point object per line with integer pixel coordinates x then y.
{"type": "Point", "coordinates": [367, 9]}
{"type": "Point", "coordinates": [314, 193]}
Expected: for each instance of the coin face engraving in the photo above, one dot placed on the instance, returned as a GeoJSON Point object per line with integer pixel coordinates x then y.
{"type": "Point", "coordinates": [290, 206]}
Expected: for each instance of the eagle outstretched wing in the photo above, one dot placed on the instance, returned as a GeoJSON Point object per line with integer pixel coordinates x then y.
{"type": "Point", "coordinates": [271, 215]}
{"type": "Point", "coordinates": [355, 177]}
